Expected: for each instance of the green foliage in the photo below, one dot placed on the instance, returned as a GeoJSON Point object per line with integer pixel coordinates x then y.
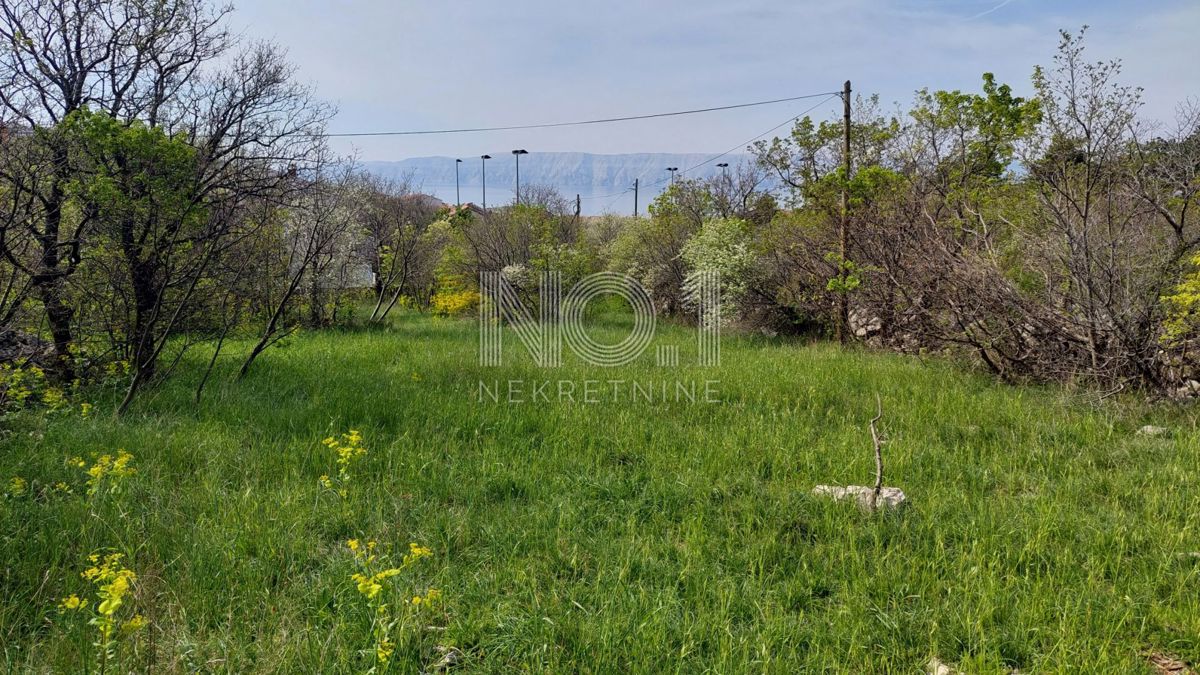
{"type": "Point", "coordinates": [1183, 307]}
{"type": "Point", "coordinates": [619, 536]}
{"type": "Point", "coordinates": [848, 277]}
{"type": "Point", "coordinates": [983, 129]}
{"type": "Point", "coordinates": [650, 249]}
{"type": "Point", "coordinates": [550, 250]}
{"type": "Point", "coordinates": [811, 158]}
{"type": "Point", "coordinates": [135, 178]}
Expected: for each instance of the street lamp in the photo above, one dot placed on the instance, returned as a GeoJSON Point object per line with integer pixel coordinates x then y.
{"type": "Point", "coordinates": [457, 192]}
{"type": "Point", "coordinates": [483, 162]}
{"type": "Point", "coordinates": [672, 170]}
{"type": "Point", "coordinates": [725, 188]}
{"type": "Point", "coordinates": [517, 156]}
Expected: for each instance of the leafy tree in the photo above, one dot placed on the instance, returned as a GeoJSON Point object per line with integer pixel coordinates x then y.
{"type": "Point", "coordinates": [138, 187]}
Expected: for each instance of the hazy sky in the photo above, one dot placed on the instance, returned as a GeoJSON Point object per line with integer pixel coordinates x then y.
{"type": "Point", "coordinates": [402, 64]}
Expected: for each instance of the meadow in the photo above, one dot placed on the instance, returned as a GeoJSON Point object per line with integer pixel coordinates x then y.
{"type": "Point", "coordinates": [1043, 533]}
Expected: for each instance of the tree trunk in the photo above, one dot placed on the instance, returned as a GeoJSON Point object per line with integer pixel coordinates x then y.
{"type": "Point", "coordinates": [145, 315]}
{"type": "Point", "coordinates": [49, 279]}
{"type": "Point", "coordinates": [58, 316]}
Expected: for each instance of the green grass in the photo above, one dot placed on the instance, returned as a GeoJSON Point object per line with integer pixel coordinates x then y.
{"type": "Point", "coordinates": [1043, 533]}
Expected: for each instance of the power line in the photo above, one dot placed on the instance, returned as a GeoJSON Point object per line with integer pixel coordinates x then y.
{"type": "Point", "coordinates": [733, 149]}
{"type": "Point", "coordinates": [579, 123]}
{"type": "Point", "coordinates": [772, 129]}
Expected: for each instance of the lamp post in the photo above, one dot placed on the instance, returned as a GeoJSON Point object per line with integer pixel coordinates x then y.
{"type": "Point", "coordinates": [457, 192]}
{"type": "Point", "coordinates": [672, 170]}
{"type": "Point", "coordinates": [725, 189]}
{"type": "Point", "coordinates": [517, 156]}
{"type": "Point", "coordinates": [483, 162]}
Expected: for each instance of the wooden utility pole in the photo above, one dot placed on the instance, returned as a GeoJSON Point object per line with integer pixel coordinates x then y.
{"type": "Point", "coordinates": [843, 323]}
{"type": "Point", "coordinates": [635, 195]}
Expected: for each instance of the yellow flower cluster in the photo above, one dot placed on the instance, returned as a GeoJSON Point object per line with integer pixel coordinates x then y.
{"type": "Point", "coordinates": [18, 384]}
{"type": "Point", "coordinates": [72, 602]}
{"type": "Point", "coordinates": [454, 302]}
{"type": "Point", "coordinates": [106, 468]}
{"type": "Point", "coordinates": [415, 553]}
{"type": "Point", "coordinates": [21, 385]}
{"type": "Point", "coordinates": [431, 596]}
{"type": "Point", "coordinates": [111, 578]}
{"type": "Point", "coordinates": [113, 582]}
{"type": "Point", "coordinates": [54, 398]}
{"type": "Point", "coordinates": [17, 486]}
{"type": "Point", "coordinates": [371, 582]}
{"type": "Point", "coordinates": [349, 448]}
{"type": "Point", "coordinates": [371, 586]}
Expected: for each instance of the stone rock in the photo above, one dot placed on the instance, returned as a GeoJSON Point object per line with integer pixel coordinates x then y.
{"type": "Point", "coordinates": [1190, 389]}
{"type": "Point", "coordinates": [864, 324]}
{"type": "Point", "coordinates": [1151, 430]}
{"type": "Point", "coordinates": [451, 657]}
{"type": "Point", "coordinates": [889, 497]}
{"type": "Point", "coordinates": [1168, 664]}
{"type": "Point", "coordinates": [24, 347]}
{"type": "Point", "coordinates": [936, 667]}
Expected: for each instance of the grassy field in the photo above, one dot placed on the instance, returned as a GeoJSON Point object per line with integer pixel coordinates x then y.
{"type": "Point", "coordinates": [1043, 533]}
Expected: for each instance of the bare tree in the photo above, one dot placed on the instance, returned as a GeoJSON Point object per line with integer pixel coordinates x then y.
{"type": "Point", "coordinates": [125, 58]}
{"type": "Point", "coordinates": [167, 73]}
{"type": "Point", "coordinates": [312, 230]}
{"type": "Point", "coordinates": [396, 220]}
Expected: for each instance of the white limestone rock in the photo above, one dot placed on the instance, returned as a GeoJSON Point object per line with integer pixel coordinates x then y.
{"type": "Point", "coordinates": [1151, 430]}
{"type": "Point", "coordinates": [936, 667]}
{"type": "Point", "coordinates": [890, 498]}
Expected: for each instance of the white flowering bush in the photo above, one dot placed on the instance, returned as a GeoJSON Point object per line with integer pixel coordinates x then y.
{"type": "Point", "coordinates": [723, 246]}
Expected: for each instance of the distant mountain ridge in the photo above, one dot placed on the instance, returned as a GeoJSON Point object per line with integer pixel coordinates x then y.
{"type": "Point", "coordinates": [603, 182]}
{"type": "Point", "coordinates": [560, 169]}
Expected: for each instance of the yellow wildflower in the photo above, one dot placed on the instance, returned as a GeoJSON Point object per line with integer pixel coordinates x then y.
{"type": "Point", "coordinates": [54, 398]}
{"type": "Point", "coordinates": [367, 585]}
{"type": "Point", "coordinates": [113, 582]}
{"type": "Point", "coordinates": [72, 602]}
{"type": "Point", "coordinates": [348, 447]}
{"type": "Point", "coordinates": [383, 650]}
{"type": "Point", "coordinates": [431, 596]}
{"type": "Point", "coordinates": [133, 625]}
{"type": "Point", "coordinates": [416, 552]}
{"type": "Point", "coordinates": [108, 467]}
{"type": "Point", "coordinates": [17, 486]}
